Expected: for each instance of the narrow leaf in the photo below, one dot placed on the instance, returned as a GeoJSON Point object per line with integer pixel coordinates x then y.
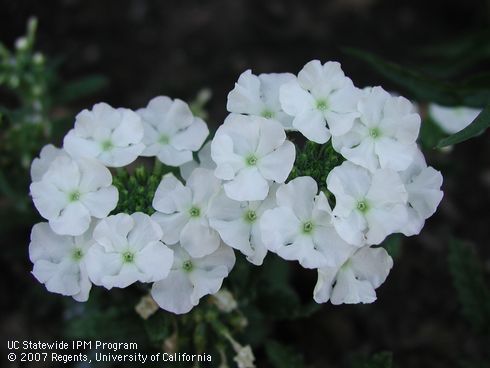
{"type": "Point", "coordinates": [477, 127]}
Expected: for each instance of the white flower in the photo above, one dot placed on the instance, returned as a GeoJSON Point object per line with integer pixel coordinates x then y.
{"type": "Point", "coordinates": [225, 301]}
{"type": "Point", "coordinates": [259, 96]}
{"type": "Point", "coordinates": [322, 101]}
{"type": "Point", "coordinates": [128, 249]}
{"type": "Point", "coordinates": [368, 206]}
{"type": "Point", "coordinates": [182, 211]}
{"type": "Point", "coordinates": [172, 133]}
{"type": "Point", "coordinates": [205, 162]}
{"type": "Point", "coordinates": [60, 261]}
{"type": "Point", "coordinates": [300, 228]}
{"type": "Point", "coordinates": [238, 224]}
{"type": "Point", "coordinates": [384, 136]}
{"type": "Point", "coordinates": [112, 136]}
{"type": "Point", "coordinates": [423, 186]}
{"type": "Point", "coordinates": [41, 164]}
{"type": "Point", "coordinates": [248, 152]}
{"type": "Point", "coordinates": [192, 278]}
{"type": "Point", "coordinates": [72, 191]}
{"type": "Point", "coordinates": [452, 119]}
{"type": "Point", "coordinates": [355, 280]}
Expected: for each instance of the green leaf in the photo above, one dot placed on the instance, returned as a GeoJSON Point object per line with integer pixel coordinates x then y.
{"type": "Point", "coordinates": [477, 127]}
{"type": "Point", "coordinates": [81, 88]}
{"type": "Point", "coordinates": [392, 244]}
{"type": "Point", "coordinates": [423, 86]}
{"type": "Point", "coordinates": [379, 360]}
{"type": "Point", "coordinates": [282, 356]}
{"type": "Point", "coordinates": [469, 282]}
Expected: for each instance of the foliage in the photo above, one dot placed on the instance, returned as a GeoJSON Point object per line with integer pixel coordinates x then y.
{"type": "Point", "coordinates": [31, 114]}
{"type": "Point", "coordinates": [379, 360]}
{"type": "Point", "coordinates": [316, 160]}
{"type": "Point", "coordinates": [469, 282]}
{"type": "Point", "coordinates": [472, 90]}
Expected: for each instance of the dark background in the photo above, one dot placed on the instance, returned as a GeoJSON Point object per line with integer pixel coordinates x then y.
{"type": "Point", "coordinates": [146, 48]}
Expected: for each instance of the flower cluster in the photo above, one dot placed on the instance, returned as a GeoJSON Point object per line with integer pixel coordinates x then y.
{"type": "Point", "coordinates": [233, 192]}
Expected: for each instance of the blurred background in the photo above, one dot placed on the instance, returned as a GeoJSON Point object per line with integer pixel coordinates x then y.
{"type": "Point", "coordinates": [434, 308]}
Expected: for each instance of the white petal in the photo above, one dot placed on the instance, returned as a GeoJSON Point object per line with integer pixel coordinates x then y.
{"type": "Point", "coordinates": [101, 202]}
{"type": "Point", "coordinates": [191, 138]}
{"type": "Point", "coordinates": [198, 239]}
{"type": "Point", "coordinates": [40, 165]}
{"type": "Point", "coordinates": [393, 155]}
{"type": "Point", "coordinates": [48, 199]}
{"type": "Point", "coordinates": [144, 232]}
{"type": "Point", "coordinates": [74, 219]}
{"type": "Point", "coordinates": [278, 164]}
{"type": "Point", "coordinates": [245, 97]}
{"type": "Point", "coordinates": [171, 225]}
{"type": "Point", "coordinates": [298, 195]}
{"type": "Point", "coordinates": [80, 147]}
{"type": "Point", "coordinates": [294, 99]}
{"type": "Point", "coordinates": [93, 175]}
{"type": "Point", "coordinates": [204, 185]}
{"type": "Point", "coordinates": [130, 129]}
{"type": "Point", "coordinates": [271, 137]}
{"type": "Point", "coordinates": [384, 221]}
{"type": "Point", "coordinates": [386, 188]}
{"type": "Point", "coordinates": [371, 264]}
{"type": "Point", "coordinates": [248, 185]}
{"type": "Point", "coordinates": [350, 290]}
{"type": "Point", "coordinates": [312, 124]}
{"type": "Point", "coordinates": [279, 227]}
{"type": "Point", "coordinates": [173, 293]}
{"type": "Point", "coordinates": [155, 261]}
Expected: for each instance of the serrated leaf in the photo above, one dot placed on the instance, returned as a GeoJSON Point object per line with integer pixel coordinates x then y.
{"type": "Point", "coordinates": [477, 127]}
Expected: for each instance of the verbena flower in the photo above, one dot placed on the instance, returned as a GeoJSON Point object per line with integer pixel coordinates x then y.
{"type": "Point", "coordinates": [60, 261]}
{"type": "Point", "coordinates": [368, 206]}
{"type": "Point", "coordinates": [192, 278]}
{"type": "Point", "coordinates": [249, 152]}
{"type": "Point", "coordinates": [172, 133]}
{"type": "Point", "coordinates": [205, 162]}
{"type": "Point", "coordinates": [300, 228]}
{"type": "Point", "coordinates": [259, 96]}
{"type": "Point", "coordinates": [385, 134]}
{"type": "Point", "coordinates": [128, 249]}
{"type": "Point", "coordinates": [112, 136]}
{"type": "Point", "coordinates": [355, 280]}
{"type": "Point", "coordinates": [41, 164]}
{"type": "Point", "coordinates": [322, 101]}
{"type": "Point", "coordinates": [452, 119]}
{"type": "Point", "coordinates": [71, 192]}
{"type": "Point", "coordinates": [423, 185]}
{"type": "Point", "coordinates": [238, 224]}
{"type": "Point", "coordinates": [182, 211]}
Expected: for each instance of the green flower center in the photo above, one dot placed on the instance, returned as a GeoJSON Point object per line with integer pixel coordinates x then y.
{"type": "Point", "coordinates": [251, 160]}
{"type": "Point", "coordinates": [128, 257]}
{"type": "Point", "coordinates": [187, 266]}
{"type": "Point", "coordinates": [308, 227]}
{"type": "Point", "coordinates": [250, 216]}
{"type": "Point", "coordinates": [322, 105]}
{"type": "Point", "coordinates": [74, 196]}
{"type": "Point", "coordinates": [164, 139]}
{"type": "Point", "coordinates": [107, 145]}
{"type": "Point", "coordinates": [195, 212]}
{"type": "Point", "coordinates": [267, 114]}
{"type": "Point", "coordinates": [362, 206]}
{"type": "Point", "coordinates": [374, 133]}
{"type": "Point", "coordinates": [77, 254]}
